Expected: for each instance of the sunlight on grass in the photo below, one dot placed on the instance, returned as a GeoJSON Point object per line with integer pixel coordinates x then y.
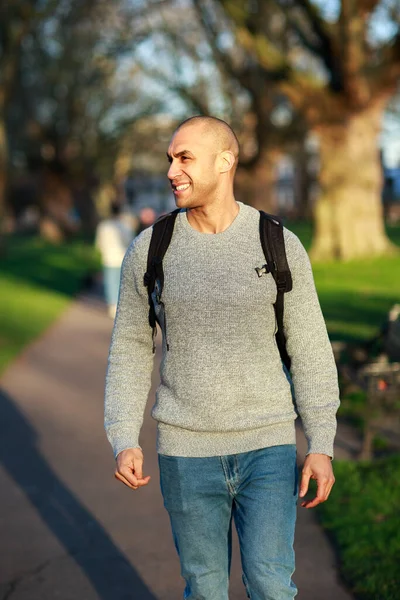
{"type": "Point", "coordinates": [355, 296]}
{"type": "Point", "coordinates": [37, 282]}
{"type": "Point", "coordinates": [26, 311]}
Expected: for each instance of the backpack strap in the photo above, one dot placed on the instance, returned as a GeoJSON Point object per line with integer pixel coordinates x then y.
{"type": "Point", "coordinates": [160, 239]}
{"type": "Point", "coordinates": [273, 245]}
{"type": "Point", "coordinates": [272, 242]}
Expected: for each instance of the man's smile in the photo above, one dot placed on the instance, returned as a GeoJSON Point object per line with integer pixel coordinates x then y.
{"type": "Point", "coordinates": [180, 188]}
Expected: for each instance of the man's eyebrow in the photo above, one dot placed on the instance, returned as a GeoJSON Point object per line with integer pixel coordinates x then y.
{"type": "Point", "coordinates": [181, 153]}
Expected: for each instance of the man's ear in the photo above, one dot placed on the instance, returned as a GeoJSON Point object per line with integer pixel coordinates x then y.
{"type": "Point", "coordinates": [227, 161]}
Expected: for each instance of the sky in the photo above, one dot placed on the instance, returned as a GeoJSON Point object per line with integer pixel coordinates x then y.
{"type": "Point", "coordinates": [390, 141]}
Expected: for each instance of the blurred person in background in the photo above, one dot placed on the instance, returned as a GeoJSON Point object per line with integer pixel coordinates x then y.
{"type": "Point", "coordinates": [130, 190]}
{"type": "Point", "coordinates": [113, 237]}
{"type": "Point", "coordinates": [147, 216]}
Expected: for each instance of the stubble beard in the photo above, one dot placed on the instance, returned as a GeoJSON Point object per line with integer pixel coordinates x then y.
{"type": "Point", "coordinates": [203, 194]}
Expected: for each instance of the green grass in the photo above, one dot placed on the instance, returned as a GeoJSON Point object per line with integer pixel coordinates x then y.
{"type": "Point", "coordinates": [363, 519]}
{"type": "Point", "coordinates": [362, 515]}
{"type": "Point", "coordinates": [37, 281]}
{"type": "Point", "coordinates": [355, 296]}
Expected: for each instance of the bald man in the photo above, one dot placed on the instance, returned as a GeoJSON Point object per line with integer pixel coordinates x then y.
{"type": "Point", "coordinates": [224, 408]}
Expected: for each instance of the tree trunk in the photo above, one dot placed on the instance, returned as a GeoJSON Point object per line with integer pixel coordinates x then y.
{"type": "Point", "coordinates": [349, 212]}
{"type": "Point", "coordinates": [304, 183]}
{"type": "Point", "coordinates": [3, 170]}
{"type": "Point", "coordinates": [256, 185]}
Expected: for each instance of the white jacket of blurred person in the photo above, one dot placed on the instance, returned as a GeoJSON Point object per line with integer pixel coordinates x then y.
{"type": "Point", "coordinates": [113, 237]}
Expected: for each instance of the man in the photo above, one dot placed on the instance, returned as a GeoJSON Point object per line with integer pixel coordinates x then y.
{"type": "Point", "coordinates": [226, 437]}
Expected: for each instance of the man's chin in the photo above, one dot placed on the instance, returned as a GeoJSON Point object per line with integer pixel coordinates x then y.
{"type": "Point", "coordinates": [183, 202]}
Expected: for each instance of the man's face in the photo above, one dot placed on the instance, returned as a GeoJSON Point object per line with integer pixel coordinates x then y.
{"type": "Point", "coordinates": [193, 171]}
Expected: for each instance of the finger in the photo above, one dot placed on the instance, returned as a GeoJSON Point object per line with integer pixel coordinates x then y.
{"type": "Point", "coordinates": [314, 502]}
{"type": "Point", "coordinates": [133, 463]}
{"type": "Point", "coordinates": [322, 486]}
{"type": "Point", "coordinates": [138, 472]}
{"type": "Point", "coordinates": [138, 468]}
{"type": "Point", "coordinates": [326, 487]}
{"type": "Point", "coordinates": [132, 479]}
{"type": "Point", "coordinates": [124, 481]}
{"type": "Point", "coordinates": [305, 480]}
{"type": "Point", "coordinates": [134, 476]}
{"type": "Point", "coordinates": [140, 483]}
{"type": "Point", "coordinates": [127, 472]}
{"type": "Point", "coordinates": [311, 503]}
{"type": "Point", "coordinates": [330, 486]}
{"type": "Point", "coordinates": [144, 481]}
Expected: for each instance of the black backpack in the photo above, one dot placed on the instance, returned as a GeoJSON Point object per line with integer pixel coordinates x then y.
{"type": "Point", "coordinates": [272, 242]}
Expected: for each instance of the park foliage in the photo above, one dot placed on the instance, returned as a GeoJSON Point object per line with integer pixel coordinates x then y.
{"type": "Point", "coordinates": [337, 75]}
{"type": "Point", "coordinates": [37, 281]}
{"type": "Point", "coordinates": [362, 518]}
{"type": "Point", "coordinates": [362, 515]}
{"type": "Point", "coordinates": [86, 86]}
{"type": "Point", "coordinates": [355, 295]}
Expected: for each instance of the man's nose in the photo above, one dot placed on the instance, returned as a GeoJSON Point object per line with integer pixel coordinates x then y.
{"type": "Point", "coordinates": [173, 171]}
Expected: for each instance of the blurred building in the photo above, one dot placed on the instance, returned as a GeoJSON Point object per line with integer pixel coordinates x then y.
{"type": "Point", "coordinates": [391, 194]}
{"type": "Point", "coordinates": [391, 188]}
{"type": "Point", "coordinates": [144, 189]}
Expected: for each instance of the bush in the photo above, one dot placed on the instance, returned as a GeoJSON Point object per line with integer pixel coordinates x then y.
{"type": "Point", "coordinates": [362, 516]}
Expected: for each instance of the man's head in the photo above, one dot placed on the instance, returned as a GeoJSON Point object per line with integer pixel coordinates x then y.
{"type": "Point", "coordinates": [203, 156]}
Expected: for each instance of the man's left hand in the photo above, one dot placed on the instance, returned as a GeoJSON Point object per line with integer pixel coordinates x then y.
{"type": "Point", "coordinates": [319, 467]}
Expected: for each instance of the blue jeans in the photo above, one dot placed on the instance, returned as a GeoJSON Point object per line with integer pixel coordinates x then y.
{"type": "Point", "coordinates": [258, 489]}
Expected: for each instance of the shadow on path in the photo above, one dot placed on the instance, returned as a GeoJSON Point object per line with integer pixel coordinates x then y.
{"type": "Point", "coordinates": [83, 538]}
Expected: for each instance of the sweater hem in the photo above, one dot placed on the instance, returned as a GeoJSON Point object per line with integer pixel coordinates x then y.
{"type": "Point", "coordinates": [176, 441]}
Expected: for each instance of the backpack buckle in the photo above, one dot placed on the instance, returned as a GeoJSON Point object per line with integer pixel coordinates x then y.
{"type": "Point", "coordinates": [263, 270]}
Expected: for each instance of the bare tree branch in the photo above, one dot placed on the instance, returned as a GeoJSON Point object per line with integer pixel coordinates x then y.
{"type": "Point", "coordinates": [386, 80]}
{"type": "Point", "coordinates": [324, 46]}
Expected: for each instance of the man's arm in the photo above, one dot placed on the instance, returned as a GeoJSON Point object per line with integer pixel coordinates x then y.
{"type": "Point", "coordinates": [130, 360]}
{"type": "Point", "coordinates": [313, 371]}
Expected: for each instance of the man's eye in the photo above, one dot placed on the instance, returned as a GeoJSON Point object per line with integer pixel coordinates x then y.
{"type": "Point", "coordinates": [184, 158]}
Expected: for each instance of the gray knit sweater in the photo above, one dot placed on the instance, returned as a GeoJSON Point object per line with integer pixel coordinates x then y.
{"type": "Point", "coordinates": [223, 389]}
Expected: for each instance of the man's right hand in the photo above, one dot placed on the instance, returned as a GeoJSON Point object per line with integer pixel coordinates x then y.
{"type": "Point", "coordinates": [130, 468]}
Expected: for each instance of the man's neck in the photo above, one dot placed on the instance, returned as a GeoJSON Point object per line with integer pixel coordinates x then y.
{"type": "Point", "coordinates": [214, 218]}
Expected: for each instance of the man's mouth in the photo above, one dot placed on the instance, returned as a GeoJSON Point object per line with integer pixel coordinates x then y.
{"type": "Point", "coordinates": [181, 188]}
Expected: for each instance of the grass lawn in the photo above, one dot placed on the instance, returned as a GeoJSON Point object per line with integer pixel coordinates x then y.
{"type": "Point", "coordinates": [362, 517]}
{"type": "Point", "coordinates": [37, 281]}
{"type": "Point", "coordinates": [355, 296]}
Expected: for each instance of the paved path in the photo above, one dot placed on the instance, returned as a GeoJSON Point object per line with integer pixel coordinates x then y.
{"type": "Point", "coordinates": [68, 530]}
